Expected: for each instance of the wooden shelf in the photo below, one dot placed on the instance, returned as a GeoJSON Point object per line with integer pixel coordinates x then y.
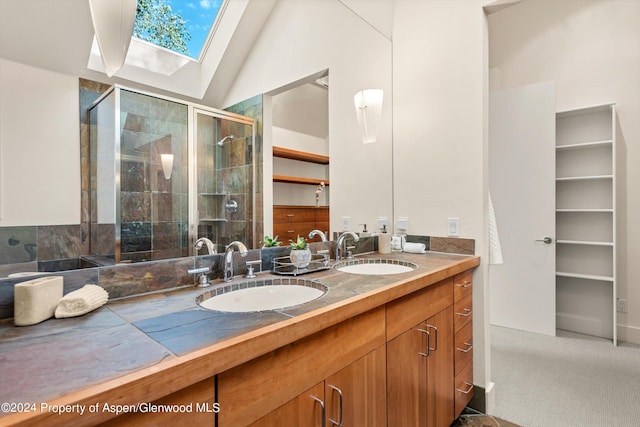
{"type": "Point", "coordinates": [287, 153]}
{"type": "Point", "coordinates": [299, 180]}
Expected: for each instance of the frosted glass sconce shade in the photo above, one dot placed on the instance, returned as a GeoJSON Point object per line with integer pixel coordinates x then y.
{"type": "Point", "coordinates": [368, 104]}
{"type": "Point", "coordinates": [167, 164]}
{"type": "Point", "coordinates": [113, 26]}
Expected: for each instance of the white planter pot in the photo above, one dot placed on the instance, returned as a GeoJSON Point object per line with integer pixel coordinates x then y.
{"type": "Point", "coordinates": [300, 257]}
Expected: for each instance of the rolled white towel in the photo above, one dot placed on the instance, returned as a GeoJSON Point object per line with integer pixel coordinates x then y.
{"type": "Point", "coordinates": [415, 248]}
{"type": "Point", "coordinates": [81, 301]}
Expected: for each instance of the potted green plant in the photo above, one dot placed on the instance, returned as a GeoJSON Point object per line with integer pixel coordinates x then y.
{"type": "Point", "coordinates": [269, 242]}
{"type": "Point", "coordinates": [300, 253]}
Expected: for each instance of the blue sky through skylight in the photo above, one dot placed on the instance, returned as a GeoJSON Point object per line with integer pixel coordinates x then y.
{"type": "Point", "coordinates": [200, 16]}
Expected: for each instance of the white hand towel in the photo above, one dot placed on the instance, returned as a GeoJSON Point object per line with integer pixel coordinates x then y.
{"type": "Point", "coordinates": [81, 301]}
{"type": "Point", "coordinates": [415, 248]}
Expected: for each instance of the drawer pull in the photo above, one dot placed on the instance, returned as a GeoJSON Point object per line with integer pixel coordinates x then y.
{"type": "Point", "coordinates": [469, 347]}
{"type": "Point", "coordinates": [324, 412]}
{"type": "Point", "coordinates": [428, 343]}
{"type": "Point", "coordinates": [468, 390]}
{"type": "Point", "coordinates": [290, 215]}
{"type": "Point", "coordinates": [465, 284]}
{"type": "Point", "coordinates": [339, 424]}
{"type": "Point", "coordinates": [467, 312]}
{"type": "Point", "coordinates": [291, 231]}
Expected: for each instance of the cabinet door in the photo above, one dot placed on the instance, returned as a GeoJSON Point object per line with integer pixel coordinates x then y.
{"type": "Point", "coordinates": [407, 378]}
{"type": "Point", "coordinates": [356, 395]}
{"type": "Point", "coordinates": [440, 375]}
{"type": "Point", "coordinates": [420, 374]}
{"type": "Point", "coordinates": [308, 409]}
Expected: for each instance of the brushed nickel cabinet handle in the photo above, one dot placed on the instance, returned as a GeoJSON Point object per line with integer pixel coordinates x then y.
{"type": "Point", "coordinates": [428, 343]}
{"type": "Point", "coordinates": [469, 347]}
{"type": "Point", "coordinates": [324, 412]}
{"type": "Point", "coordinates": [436, 340]}
{"type": "Point", "coordinates": [468, 390]}
{"type": "Point", "coordinates": [467, 312]}
{"type": "Point", "coordinates": [339, 424]}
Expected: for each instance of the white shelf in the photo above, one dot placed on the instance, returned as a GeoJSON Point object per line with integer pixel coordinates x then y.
{"type": "Point", "coordinates": [213, 220]}
{"type": "Point", "coordinates": [583, 242]}
{"type": "Point", "coordinates": [585, 178]}
{"type": "Point", "coordinates": [584, 210]}
{"type": "Point", "coordinates": [584, 145]}
{"type": "Point", "coordinates": [585, 276]}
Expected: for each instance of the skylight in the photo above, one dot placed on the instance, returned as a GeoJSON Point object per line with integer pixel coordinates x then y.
{"type": "Point", "coordinates": [182, 26]}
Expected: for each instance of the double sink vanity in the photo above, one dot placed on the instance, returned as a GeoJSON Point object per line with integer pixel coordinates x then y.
{"type": "Point", "coordinates": [370, 342]}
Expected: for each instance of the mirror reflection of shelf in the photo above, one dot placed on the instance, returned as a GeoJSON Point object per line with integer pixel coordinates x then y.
{"type": "Point", "coordinates": [287, 153]}
{"type": "Point", "coordinates": [213, 220]}
{"type": "Point", "coordinates": [211, 194]}
{"type": "Point", "coordinates": [299, 180]}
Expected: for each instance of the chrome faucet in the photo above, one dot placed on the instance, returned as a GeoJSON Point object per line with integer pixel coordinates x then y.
{"type": "Point", "coordinates": [209, 243]}
{"type": "Point", "coordinates": [318, 233]}
{"type": "Point", "coordinates": [340, 242]}
{"type": "Point", "coordinates": [228, 259]}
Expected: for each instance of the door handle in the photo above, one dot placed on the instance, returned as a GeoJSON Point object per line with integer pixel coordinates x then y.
{"type": "Point", "coordinates": [547, 240]}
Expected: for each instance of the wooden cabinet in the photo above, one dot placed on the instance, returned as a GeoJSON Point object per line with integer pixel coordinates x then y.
{"type": "Point", "coordinates": [348, 359]}
{"type": "Point", "coordinates": [586, 221]}
{"type": "Point", "coordinates": [463, 340]}
{"type": "Point", "coordinates": [354, 396]}
{"type": "Point", "coordinates": [289, 222]}
{"type": "Point", "coordinates": [420, 360]}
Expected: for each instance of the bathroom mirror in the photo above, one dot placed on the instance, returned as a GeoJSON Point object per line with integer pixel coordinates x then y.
{"type": "Point", "coordinates": [360, 175]}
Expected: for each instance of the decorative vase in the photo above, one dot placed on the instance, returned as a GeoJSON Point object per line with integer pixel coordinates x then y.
{"type": "Point", "coordinates": [300, 257]}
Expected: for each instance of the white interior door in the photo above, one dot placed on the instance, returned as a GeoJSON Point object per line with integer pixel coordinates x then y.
{"type": "Point", "coordinates": [522, 186]}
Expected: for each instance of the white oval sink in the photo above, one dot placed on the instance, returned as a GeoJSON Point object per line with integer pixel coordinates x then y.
{"type": "Point", "coordinates": [375, 266]}
{"type": "Point", "coordinates": [261, 295]}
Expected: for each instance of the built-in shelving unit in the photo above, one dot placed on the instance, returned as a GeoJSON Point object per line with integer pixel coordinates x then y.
{"type": "Point", "coordinates": [586, 221]}
{"type": "Point", "coordinates": [299, 180]}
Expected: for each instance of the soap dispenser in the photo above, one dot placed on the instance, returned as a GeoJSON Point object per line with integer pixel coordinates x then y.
{"type": "Point", "coordinates": [384, 241]}
{"type": "Point", "coordinates": [365, 232]}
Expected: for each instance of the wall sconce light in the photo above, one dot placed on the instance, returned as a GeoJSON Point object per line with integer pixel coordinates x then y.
{"type": "Point", "coordinates": [113, 26]}
{"type": "Point", "coordinates": [167, 164]}
{"type": "Point", "coordinates": [368, 104]}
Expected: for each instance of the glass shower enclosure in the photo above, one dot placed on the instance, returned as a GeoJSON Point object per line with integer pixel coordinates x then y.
{"type": "Point", "coordinates": [160, 178]}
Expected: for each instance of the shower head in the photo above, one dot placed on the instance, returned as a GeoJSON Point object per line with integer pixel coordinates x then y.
{"type": "Point", "coordinates": [225, 139]}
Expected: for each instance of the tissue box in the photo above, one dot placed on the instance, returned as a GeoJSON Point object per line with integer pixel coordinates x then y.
{"type": "Point", "coordinates": [36, 300]}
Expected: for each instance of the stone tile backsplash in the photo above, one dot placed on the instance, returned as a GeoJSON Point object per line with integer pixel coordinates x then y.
{"type": "Point", "coordinates": [20, 246]}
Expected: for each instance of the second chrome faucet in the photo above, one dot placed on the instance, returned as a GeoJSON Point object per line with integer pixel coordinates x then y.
{"type": "Point", "coordinates": [228, 258]}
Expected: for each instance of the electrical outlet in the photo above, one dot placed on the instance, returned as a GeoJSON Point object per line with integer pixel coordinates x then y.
{"type": "Point", "coordinates": [622, 305]}
{"type": "Point", "coordinates": [402, 224]}
{"type": "Point", "coordinates": [382, 221]}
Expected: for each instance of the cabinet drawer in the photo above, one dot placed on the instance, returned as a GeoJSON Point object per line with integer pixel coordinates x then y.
{"type": "Point", "coordinates": [292, 231]}
{"type": "Point", "coordinates": [404, 313]}
{"type": "Point", "coordinates": [322, 214]}
{"type": "Point", "coordinates": [462, 285]}
{"type": "Point", "coordinates": [463, 388]}
{"type": "Point", "coordinates": [462, 312]}
{"type": "Point", "coordinates": [289, 215]}
{"type": "Point", "coordinates": [463, 347]}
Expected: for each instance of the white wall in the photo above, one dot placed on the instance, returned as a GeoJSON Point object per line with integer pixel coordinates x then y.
{"type": "Point", "coordinates": [440, 133]}
{"type": "Point", "coordinates": [40, 143]}
{"type": "Point", "coordinates": [591, 49]}
{"type": "Point", "coordinates": [302, 38]}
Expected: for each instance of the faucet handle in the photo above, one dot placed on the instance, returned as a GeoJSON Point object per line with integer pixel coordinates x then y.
{"type": "Point", "coordinates": [250, 266]}
{"type": "Point", "coordinates": [350, 251]}
{"type": "Point", "coordinates": [203, 279]}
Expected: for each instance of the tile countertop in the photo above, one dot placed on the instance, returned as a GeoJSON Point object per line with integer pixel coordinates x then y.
{"type": "Point", "coordinates": [59, 356]}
